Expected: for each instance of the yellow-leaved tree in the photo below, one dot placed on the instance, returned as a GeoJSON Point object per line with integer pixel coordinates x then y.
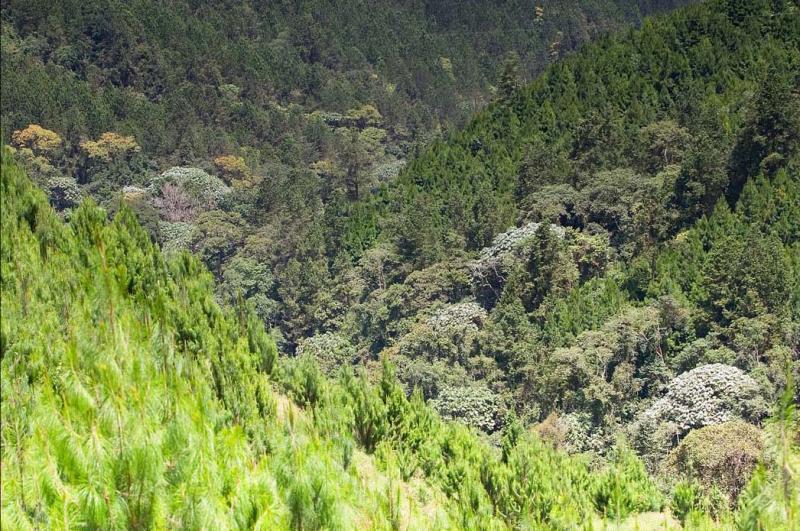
{"type": "Point", "coordinates": [234, 171]}
{"type": "Point", "coordinates": [36, 138]}
{"type": "Point", "coordinates": [110, 146]}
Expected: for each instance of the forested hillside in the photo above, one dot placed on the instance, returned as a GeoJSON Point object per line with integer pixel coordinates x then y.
{"type": "Point", "coordinates": [610, 250]}
{"type": "Point", "coordinates": [132, 400]}
{"type": "Point", "coordinates": [192, 80]}
{"type": "Point", "coordinates": [261, 122]}
{"type": "Point", "coordinates": [580, 306]}
{"type": "Point", "coordinates": [636, 152]}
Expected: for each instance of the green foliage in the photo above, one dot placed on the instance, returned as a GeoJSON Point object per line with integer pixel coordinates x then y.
{"type": "Point", "coordinates": [331, 351]}
{"type": "Point", "coordinates": [591, 113]}
{"type": "Point", "coordinates": [139, 402]}
{"type": "Point", "coordinates": [369, 413]}
{"type": "Point", "coordinates": [304, 381]}
{"type": "Point", "coordinates": [770, 499]}
{"type": "Point", "coordinates": [625, 487]}
{"type": "Point", "coordinates": [687, 500]}
{"type": "Point", "coordinates": [141, 391]}
{"type": "Point", "coordinates": [660, 259]}
{"type": "Point", "coordinates": [747, 275]}
{"type": "Point", "coordinates": [137, 68]}
{"type": "Point", "coordinates": [611, 250]}
{"type": "Point", "coordinates": [722, 455]}
{"type": "Point", "coordinates": [473, 405]}
{"type": "Point", "coordinates": [307, 111]}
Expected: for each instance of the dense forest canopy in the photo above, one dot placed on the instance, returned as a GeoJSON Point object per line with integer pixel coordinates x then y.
{"type": "Point", "coordinates": [322, 265]}
{"type": "Point", "coordinates": [191, 80]}
{"type": "Point", "coordinates": [285, 117]}
{"type": "Point", "coordinates": [132, 400]}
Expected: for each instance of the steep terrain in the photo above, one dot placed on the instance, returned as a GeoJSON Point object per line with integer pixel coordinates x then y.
{"type": "Point", "coordinates": [664, 162]}
{"type": "Point", "coordinates": [132, 400]}
{"type": "Point", "coordinates": [189, 79]}
{"type": "Point", "coordinates": [597, 277]}
{"type": "Point", "coordinates": [261, 122]}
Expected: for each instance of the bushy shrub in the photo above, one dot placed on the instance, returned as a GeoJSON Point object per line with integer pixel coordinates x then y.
{"type": "Point", "coordinates": [703, 351]}
{"type": "Point", "coordinates": [505, 244]}
{"type": "Point", "coordinates": [175, 236]}
{"type": "Point", "coordinates": [624, 487]}
{"type": "Point", "coordinates": [553, 430]}
{"type": "Point", "coordinates": [449, 335]}
{"type": "Point", "coordinates": [369, 412]}
{"type": "Point", "coordinates": [251, 279]}
{"type": "Point", "coordinates": [387, 171]}
{"type": "Point", "coordinates": [771, 499]}
{"type": "Point", "coordinates": [303, 380]}
{"type": "Point", "coordinates": [366, 115]}
{"type": "Point", "coordinates": [429, 377]}
{"type": "Point", "coordinates": [652, 439]}
{"type": "Point", "coordinates": [473, 405]}
{"type": "Point", "coordinates": [461, 317]}
{"type": "Point", "coordinates": [63, 192]}
{"type": "Point", "coordinates": [697, 507]}
{"type": "Point", "coordinates": [687, 497]}
{"type": "Point", "coordinates": [332, 351]}
{"type": "Point", "coordinates": [722, 455]}
{"type": "Point", "coordinates": [231, 167]}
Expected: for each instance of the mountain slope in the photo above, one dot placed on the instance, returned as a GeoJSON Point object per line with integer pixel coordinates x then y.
{"type": "Point", "coordinates": [623, 147]}
{"type": "Point", "coordinates": [189, 79]}
{"type": "Point", "coordinates": [642, 315]}
{"type": "Point", "coordinates": [689, 83]}
{"type": "Point", "coordinates": [131, 400]}
{"type": "Point", "coordinates": [651, 185]}
{"type": "Point", "coordinates": [300, 109]}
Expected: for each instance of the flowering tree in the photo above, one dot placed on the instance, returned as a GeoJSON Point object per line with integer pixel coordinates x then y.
{"type": "Point", "coordinates": [176, 204]}
{"type": "Point", "coordinates": [711, 394]}
{"type": "Point", "coordinates": [205, 189]}
{"type": "Point", "coordinates": [110, 146]}
{"type": "Point", "coordinates": [35, 137]}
